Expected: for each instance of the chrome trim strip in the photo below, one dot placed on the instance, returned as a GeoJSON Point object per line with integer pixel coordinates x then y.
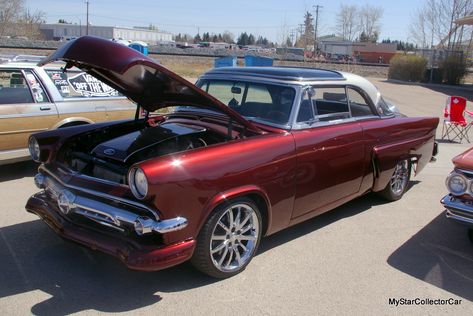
{"type": "Point", "coordinates": [100, 194]}
{"type": "Point", "coordinates": [469, 172]}
{"type": "Point", "coordinates": [466, 220]}
{"type": "Point", "coordinates": [452, 204]}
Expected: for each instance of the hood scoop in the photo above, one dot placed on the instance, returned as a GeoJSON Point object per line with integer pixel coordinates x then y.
{"type": "Point", "coordinates": [124, 147]}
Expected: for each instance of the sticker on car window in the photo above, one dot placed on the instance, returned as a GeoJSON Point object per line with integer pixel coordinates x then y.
{"type": "Point", "coordinates": [90, 86]}
{"type": "Point", "coordinates": [78, 84]}
{"type": "Point", "coordinates": [38, 93]}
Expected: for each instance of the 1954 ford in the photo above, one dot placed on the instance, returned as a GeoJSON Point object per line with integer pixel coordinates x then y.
{"type": "Point", "coordinates": [244, 153]}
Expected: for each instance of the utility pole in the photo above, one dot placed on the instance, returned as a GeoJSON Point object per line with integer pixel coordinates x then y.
{"type": "Point", "coordinates": [317, 7]}
{"type": "Point", "coordinates": [87, 25]}
{"type": "Point", "coordinates": [291, 34]}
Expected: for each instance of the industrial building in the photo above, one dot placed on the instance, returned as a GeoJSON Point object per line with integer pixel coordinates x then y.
{"type": "Point", "coordinates": [60, 31]}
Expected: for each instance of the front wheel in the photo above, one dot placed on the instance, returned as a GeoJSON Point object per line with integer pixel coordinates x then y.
{"type": "Point", "coordinates": [398, 183]}
{"type": "Point", "coordinates": [229, 239]}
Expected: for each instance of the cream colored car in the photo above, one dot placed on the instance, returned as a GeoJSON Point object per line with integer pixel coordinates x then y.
{"type": "Point", "coordinates": [36, 98]}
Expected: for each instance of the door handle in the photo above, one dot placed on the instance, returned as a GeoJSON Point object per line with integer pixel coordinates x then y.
{"type": "Point", "coordinates": [45, 108]}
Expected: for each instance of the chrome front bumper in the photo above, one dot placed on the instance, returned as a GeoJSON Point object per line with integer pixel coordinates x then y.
{"type": "Point", "coordinates": [458, 209]}
{"type": "Point", "coordinates": [112, 213]}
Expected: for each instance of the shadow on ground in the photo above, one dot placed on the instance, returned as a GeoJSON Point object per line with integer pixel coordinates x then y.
{"type": "Point", "coordinates": [439, 254]}
{"type": "Point", "coordinates": [78, 279]}
{"type": "Point", "coordinates": [462, 91]}
{"type": "Point", "coordinates": [18, 170]}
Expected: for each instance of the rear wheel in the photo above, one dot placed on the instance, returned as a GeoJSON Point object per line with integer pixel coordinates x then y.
{"type": "Point", "coordinates": [470, 234]}
{"type": "Point", "coordinates": [229, 239]}
{"type": "Point", "coordinates": [398, 183]}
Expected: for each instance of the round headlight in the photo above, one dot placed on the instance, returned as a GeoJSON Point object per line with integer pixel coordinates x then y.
{"type": "Point", "coordinates": [138, 182]}
{"type": "Point", "coordinates": [456, 183]}
{"type": "Point", "coordinates": [33, 146]}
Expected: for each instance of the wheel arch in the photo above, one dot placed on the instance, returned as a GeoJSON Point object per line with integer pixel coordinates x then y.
{"type": "Point", "coordinates": [72, 121]}
{"type": "Point", "coordinates": [253, 192]}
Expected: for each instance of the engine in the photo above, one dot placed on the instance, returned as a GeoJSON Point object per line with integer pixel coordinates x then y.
{"type": "Point", "coordinates": [108, 156]}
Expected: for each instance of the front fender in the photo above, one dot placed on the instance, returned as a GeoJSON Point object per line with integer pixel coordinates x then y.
{"type": "Point", "coordinates": [230, 194]}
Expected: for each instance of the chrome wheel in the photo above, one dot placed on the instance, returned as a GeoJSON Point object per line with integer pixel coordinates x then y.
{"type": "Point", "coordinates": [234, 238]}
{"type": "Point", "coordinates": [400, 178]}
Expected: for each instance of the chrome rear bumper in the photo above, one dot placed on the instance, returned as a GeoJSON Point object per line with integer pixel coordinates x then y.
{"type": "Point", "coordinates": [458, 209]}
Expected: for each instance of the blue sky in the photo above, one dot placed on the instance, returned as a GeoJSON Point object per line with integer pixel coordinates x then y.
{"type": "Point", "coordinates": [269, 18]}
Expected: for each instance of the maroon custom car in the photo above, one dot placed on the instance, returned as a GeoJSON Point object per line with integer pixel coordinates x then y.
{"type": "Point", "coordinates": [244, 153]}
{"type": "Point", "coordinates": [459, 202]}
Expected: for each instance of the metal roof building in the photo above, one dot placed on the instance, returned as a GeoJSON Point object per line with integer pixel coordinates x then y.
{"type": "Point", "coordinates": [59, 31]}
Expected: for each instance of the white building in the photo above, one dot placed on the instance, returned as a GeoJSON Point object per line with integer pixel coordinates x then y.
{"type": "Point", "coordinates": [59, 31]}
{"type": "Point", "coordinates": [335, 45]}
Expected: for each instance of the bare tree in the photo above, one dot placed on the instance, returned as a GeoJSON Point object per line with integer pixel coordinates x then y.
{"type": "Point", "coordinates": [16, 20]}
{"type": "Point", "coordinates": [418, 29]}
{"type": "Point", "coordinates": [9, 12]}
{"type": "Point", "coordinates": [347, 22]}
{"type": "Point", "coordinates": [369, 17]}
{"type": "Point", "coordinates": [29, 24]}
{"type": "Point", "coordinates": [433, 23]}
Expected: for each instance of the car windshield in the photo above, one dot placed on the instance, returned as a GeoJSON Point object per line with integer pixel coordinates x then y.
{"type": "Point", "coordinates": [267, 103]}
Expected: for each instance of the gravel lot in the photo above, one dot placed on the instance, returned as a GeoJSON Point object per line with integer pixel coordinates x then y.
{"type": "Point", "coordinates": [348, 261]}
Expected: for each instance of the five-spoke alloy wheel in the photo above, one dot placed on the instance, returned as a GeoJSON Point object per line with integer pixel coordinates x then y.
{"type": "Point", "coordinates": [229, 239]}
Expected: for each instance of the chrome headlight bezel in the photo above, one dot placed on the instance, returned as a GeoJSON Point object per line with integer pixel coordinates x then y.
{"type": "Point", "coordinates": [455, 176]}
{"type": "Point", "coordinates": [33, 147]}
{"type": "Point", "coordinates": [138, 182]}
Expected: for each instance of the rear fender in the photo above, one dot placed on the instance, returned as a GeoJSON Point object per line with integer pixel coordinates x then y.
{"type": "Point", "coordinates": [386, 157]}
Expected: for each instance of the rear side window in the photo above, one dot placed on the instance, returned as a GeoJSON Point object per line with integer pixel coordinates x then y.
{"type": "Point", "coordinates": [14, 88]}
{"type": "Point", "coordinates": [330, 104]}
{"type": "Point", "coordinates": [358, 104]}
{"type": "Point", "coordinates": [77, 84]}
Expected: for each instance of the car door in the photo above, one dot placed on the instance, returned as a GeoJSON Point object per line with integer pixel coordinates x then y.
{"type": "Point", "coordinates": [25, 108]}
{"type": "Point", "coordinates": [330, 151]}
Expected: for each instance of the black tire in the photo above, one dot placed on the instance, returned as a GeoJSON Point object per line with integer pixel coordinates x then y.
{"type": "Point", "coordinates": [470, 234]}
{"type": "Point", "coordinates": [205, 261]}
{"type": "Point", "coordinates": [391, 192]}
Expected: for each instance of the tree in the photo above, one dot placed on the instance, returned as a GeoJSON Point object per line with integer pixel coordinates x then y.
{"type": "Point", "coordinates": [347, 22]}
{"type": "Point", "coordinates": [228, 37]}
{"type": "Point", "coordinates": [288, 42]}
{"type": "Point", "coordinates": [15, 20]}
{"type": "Point", "coordinates": [9, 13]}
{"type": "Point", "coordinates": [197, 38]}
{"type": "Point", "coordinates": [307, 32]}
{"type": "Point", "coordinates": [369, 17]}
{"type": "Point", "coordinates": [251, 39]}
{"type": "Point", "coordinates": [433, 23]}
{"type": "Point", "coordinates": [243, 39]}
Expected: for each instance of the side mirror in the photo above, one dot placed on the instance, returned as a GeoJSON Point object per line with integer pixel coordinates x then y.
{"type": "Point", "coordinates": [236, 90]}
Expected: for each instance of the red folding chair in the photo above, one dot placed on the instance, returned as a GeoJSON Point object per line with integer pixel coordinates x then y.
{"type": "Point", "coordinates": [455, 126]}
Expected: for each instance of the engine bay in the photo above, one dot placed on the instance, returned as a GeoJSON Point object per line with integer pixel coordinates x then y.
{"type": "Point", "coordinates": [108, 153]}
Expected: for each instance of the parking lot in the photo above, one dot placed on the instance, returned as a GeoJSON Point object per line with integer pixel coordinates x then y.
{"type": "Point", "coordinates": [349, 261]}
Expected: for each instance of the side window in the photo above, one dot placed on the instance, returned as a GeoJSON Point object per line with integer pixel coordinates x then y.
{"type": "Point", "coordinates": [77, 84]}
{"type": "Point", "coordinates": [14, 88]}
{"type": "Point", "coordinates": [358, 105]}
{"type": "Point", "coordinates": [330, 103]}
{"type": "Point", "coordinates": [39, 94]}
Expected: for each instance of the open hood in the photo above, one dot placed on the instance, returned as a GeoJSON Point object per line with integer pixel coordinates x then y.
{"type": "Point", "coordinates": [137, 76]}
